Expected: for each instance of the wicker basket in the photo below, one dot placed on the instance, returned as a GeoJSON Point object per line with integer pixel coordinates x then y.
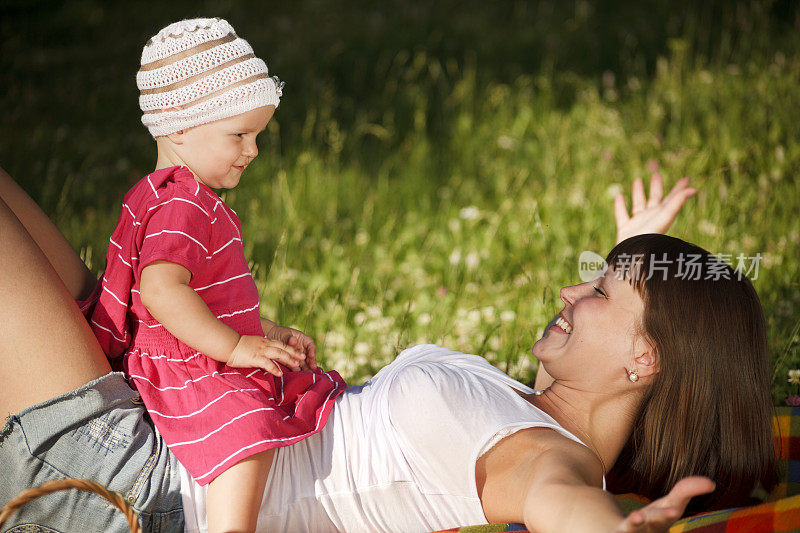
{"type": "Point", "coordinates": [70, 483]}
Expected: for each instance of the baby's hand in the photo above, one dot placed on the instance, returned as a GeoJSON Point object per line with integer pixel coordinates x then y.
{"type": "Point", "coordinates": [253, 351]}
{"type": "Point", "coordinates": [299, 340]}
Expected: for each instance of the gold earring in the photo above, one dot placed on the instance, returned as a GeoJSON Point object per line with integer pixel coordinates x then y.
{"type": "Point", "coordinates": [633, 376]}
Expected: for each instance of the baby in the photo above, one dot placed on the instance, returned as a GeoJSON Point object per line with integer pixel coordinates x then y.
{"type": "Point", "coordinates": [177, 301]}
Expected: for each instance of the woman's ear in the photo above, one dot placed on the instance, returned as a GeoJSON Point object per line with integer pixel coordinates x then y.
{"type": "Point", "coordinates": [647, 363]}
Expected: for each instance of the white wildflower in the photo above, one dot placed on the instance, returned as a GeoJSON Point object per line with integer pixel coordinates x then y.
{"type": "Point", "coordinates": [469, 213]}
{"type": "Point", "coordinates": [362, 237]}
{"type": "Point", "coordinates": [508, 316]}
{"type": "Point", "coordinates": [708, 227]}
{"type": "Point", "coordinates": [505, 142]}
{"type": "Point", "coordinates": [361, 349]}
{"type": "Point", "coordinates": [335, 339]}
{"type": "Point", "coordinates": [472, 260]}
{"type": "Point", "coordinates": [495, 343]}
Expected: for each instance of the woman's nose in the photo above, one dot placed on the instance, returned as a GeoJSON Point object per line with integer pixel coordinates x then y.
{"type": "Point", "coordinates": [569, 295]}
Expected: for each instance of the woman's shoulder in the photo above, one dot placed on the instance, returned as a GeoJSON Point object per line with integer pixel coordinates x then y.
{"type": "Point", "coordinates": [441, 368]}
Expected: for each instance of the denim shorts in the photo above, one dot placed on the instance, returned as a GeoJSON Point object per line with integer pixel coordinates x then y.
{"type": "Point", "coordinates": [100, 432]}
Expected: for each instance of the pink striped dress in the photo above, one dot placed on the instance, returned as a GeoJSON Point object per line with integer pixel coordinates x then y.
{"type": "Point", "coordinates": [210, 415]}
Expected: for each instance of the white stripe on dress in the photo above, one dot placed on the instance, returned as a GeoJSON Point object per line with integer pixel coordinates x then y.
{"type": "Point", "coordinates": [238, 312]}
{"type": "Point", "coordinates": [223, 281]}
{"type": "Point", "coordinates": [176, 199]}
{"type": "Point", "coordinates": [151, 186]}
{"type": "Point", "coordinates": [229, 422]}
{"type": "Point", "coordinates": [177, 232]}
{"type": "Point", "coordinates": [132, 215]}
{"type": "Point", "coordinates": [105, 288]}
{"type": "Point", "coordinates": [110, 332]}
{"type": "Point", "coordinates": [206, 406]}
{"type": "Point", "coordinates": [218, 250]}
{"type": "Point", "coordinates": [185, 383]}
{"type": "Point", "coordinates": [165, 357]}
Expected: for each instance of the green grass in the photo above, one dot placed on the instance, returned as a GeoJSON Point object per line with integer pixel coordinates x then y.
{"type": "Point", "coordinates": [452, 204]}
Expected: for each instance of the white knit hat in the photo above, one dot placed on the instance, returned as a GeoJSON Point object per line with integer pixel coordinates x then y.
{"type": "Point", "coordinates": [197, 71]}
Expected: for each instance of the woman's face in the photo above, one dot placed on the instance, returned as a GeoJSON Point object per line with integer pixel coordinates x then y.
{"type": "Point", "coordinates": [595, 337]}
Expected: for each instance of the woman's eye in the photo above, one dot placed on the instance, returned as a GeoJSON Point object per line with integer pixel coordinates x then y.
{"type": "Point", "coordinates": [599, 291]}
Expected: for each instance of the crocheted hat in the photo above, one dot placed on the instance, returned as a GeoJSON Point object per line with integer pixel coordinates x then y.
{"type": "Point", "coordinates": [197, 71]}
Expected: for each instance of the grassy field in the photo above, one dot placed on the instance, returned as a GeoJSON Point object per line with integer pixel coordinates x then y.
{"type": "Point", "coordinates": [433, 173]}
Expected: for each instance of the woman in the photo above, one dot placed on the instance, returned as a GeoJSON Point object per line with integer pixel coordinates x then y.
{"type": "Point", "coordinates": [437, 439]}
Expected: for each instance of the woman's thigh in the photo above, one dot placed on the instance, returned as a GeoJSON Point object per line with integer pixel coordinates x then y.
{"type": "Point", "coordinates": [99, 432]}
{"type": "Point", "coordinates": [46, 345]}
{"type": "Point", "coordinates": [68, 265]}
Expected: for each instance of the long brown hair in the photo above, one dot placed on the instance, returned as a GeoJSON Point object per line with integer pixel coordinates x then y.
{"type": "Point", "coordinates": [708, 410]}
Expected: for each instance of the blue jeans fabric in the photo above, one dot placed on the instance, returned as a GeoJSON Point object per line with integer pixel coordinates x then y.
{"type": "Point", "coordinates": [100, 432]}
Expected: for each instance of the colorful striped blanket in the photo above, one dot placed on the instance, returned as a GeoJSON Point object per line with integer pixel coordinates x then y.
{"type": "Point", "coordinates": [781, 511]}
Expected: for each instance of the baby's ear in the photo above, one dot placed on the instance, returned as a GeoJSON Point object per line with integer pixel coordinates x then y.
{"type": "Point", "coordinates": [177, 137]}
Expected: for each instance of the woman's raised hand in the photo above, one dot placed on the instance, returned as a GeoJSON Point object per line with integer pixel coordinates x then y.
{"type": "Point", "coordinates": [659, 515]}
{"type": "Point", "coordinates": [654, 215]}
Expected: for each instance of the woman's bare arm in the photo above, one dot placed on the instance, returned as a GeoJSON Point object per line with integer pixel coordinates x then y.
{"type": "Point", "coordinates": [67, 264]}
{"type": "Point", "coordinates": [552, 483]}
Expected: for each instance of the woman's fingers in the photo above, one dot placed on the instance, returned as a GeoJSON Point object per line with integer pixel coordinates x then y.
{"type": "Point", "coordinates": [678, 187]}
{"type": "Point", "coordinates": [307, 345]}
{"type": "Point", "coordinates": [637, 196]}
{"type": "Point", "coordinates": [620, 211]}
{"type": "Point", "coordinates": [656, 190]}
{"type": "Point", "coordinates": [673, 203]}
{"type": "Point", "coordinates": [310, 347]}
{"type": "Point", "coordinates": [662, 513]}
{"type": "Point", "coordinates": [686, 489]}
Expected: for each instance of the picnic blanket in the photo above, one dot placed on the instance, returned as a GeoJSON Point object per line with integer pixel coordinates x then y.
{"type": "Point", "coordinates": [780, 512]}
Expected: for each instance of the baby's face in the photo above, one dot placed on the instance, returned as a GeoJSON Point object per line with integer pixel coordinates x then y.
{"type": "Point", "coordinates": [218, 152]}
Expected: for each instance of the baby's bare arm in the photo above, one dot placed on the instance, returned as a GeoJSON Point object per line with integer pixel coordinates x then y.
{"type": "Point", "coordinates": [167, 296]}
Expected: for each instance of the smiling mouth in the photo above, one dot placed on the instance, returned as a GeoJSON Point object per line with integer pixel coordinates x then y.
{"type": "Point", "coordinates": [561, 325]}
{"type": "Point", "coordinates": [240, 168]}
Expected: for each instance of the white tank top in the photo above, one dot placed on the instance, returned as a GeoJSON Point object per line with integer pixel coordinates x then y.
{"type": "Point", "coordinates": [398, 453]}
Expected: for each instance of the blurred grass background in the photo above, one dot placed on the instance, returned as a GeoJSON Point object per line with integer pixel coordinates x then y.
{"type": "Point", "coordinates": [436, 167]}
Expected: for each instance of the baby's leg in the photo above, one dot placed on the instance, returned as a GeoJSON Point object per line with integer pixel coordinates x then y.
{"type": "Point", "coordinates": [68, 265]}
{"type": "Point", "coordinates": [234, 497]}
{"type": "Point", "coordinates": [46, 346]}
